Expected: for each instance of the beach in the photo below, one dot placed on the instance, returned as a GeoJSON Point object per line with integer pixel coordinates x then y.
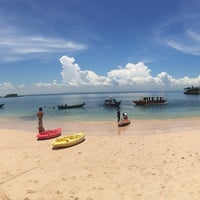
{"type": "Point", "coordinates": [149, 159]}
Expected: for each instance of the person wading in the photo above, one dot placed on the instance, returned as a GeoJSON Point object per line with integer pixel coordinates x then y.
{"type": "Point", "coordinates": [118, 114]}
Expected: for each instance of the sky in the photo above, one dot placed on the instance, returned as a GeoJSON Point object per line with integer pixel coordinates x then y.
{"type": "Point", "coordinates": [49, 46]}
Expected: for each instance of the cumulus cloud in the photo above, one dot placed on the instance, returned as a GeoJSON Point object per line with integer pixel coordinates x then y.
{"type": "Point", "coordinates": [72, 75]}
{"type": "Point", "coordinates": [130, 75]}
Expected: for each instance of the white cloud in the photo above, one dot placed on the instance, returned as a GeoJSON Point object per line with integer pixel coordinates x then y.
{"type": "Point", "coordinates": [72, 75]}
{"type": "Point", "coordinates": [180, 31]}
{"type": "Point", "coordinates": [132, 77]}
{"type": "Point", "coordinates": [8, 87]}
{"type": "Point", "coordinates": [22, 86]}
{"type": "Point", "coordinates": [163, 79]}
{"type": "Point", "coordinates": [15, 46]}
{"type": "Point", "coordinates": [130, 74]}
{"type": "Point", "coordinates": [192, 48]}
{"type": "Point", "coordinates": [5, 87]}
{"type": "Point", "coordinates": [138, 75]}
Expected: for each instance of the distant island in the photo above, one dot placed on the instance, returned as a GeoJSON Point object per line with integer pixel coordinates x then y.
{"type": "Point", "coordinates": [11, 95]}
{"type": "Point", "coordinates": [192, 90]}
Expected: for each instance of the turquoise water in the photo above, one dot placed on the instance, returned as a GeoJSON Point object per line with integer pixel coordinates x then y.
{"type": "Point", "coordinates": [25, 107]}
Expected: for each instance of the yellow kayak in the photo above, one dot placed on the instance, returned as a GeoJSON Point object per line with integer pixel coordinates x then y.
{"type": "Point", "coordinates": [68, 141]}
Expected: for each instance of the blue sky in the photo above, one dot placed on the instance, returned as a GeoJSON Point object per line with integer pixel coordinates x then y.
{"type": "Point", "coordinates": [88, 45]}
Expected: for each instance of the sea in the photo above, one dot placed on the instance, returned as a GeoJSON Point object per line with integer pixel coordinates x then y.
{"type": "Point", "coordinates": [179, 105]}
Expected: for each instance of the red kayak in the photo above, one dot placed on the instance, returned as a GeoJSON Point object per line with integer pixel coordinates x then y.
{"type": "Point", "coordinates": [124, 122]}
{"type": "Point", "coordinates": [48, 134]}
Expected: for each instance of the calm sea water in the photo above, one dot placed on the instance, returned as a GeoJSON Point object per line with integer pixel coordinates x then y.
{"type": "Point", "coordinates": [25, 107]}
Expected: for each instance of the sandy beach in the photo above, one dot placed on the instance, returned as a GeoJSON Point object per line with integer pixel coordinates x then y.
{"type": "Point", "coordinates": [152, 159]}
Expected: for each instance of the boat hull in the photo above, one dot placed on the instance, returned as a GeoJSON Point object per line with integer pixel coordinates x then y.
{"type": "Point", "coordinates": [112, 104]}
{"type": "Point", "coordinates": [144, 103]}
{"type": "Point", "coordinates": [49, 134]}
{"type": "Point", "coordinates": [70, 106]}
{"type": "Point", "coordinates": [68, 141]}
{"type": "Point", "coordinates": [150, 101]}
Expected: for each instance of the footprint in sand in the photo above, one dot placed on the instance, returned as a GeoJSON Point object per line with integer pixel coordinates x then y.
{"type": "Point", "coordinates": [4, 197]}
{"type": "Point", "coordinates": [30, 191]}
{"type": "Point", "coordinates": [33, 181]}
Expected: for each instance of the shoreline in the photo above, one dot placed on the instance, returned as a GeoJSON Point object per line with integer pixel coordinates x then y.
{"type": "Point", "coordinates": [147, 126]}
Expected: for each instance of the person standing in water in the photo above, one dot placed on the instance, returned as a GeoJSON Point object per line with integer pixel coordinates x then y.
{"type": "Point", "coordinates": [40, 122]}
{"type": "Point", "coordinates": [118, 114]}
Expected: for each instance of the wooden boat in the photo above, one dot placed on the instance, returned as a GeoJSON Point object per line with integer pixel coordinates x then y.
{"type": "Point", "coordinates": [48, 134]}
{"type": "Point", "coordinates": [111, 102]}
{"type": "Point", "coordinates": [68, 141]}
{"type": "Point", "coordinates": [124, 122]}
{"type": "Point", "coordinates": [1, 105]}
{"type": "Point", "coordinates": [150, 101]}
{"type": "Point", "coordinates": [70, 106]}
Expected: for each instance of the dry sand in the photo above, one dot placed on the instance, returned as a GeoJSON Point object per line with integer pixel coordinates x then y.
{"type": "Point", "coordinates": [147, 160]}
